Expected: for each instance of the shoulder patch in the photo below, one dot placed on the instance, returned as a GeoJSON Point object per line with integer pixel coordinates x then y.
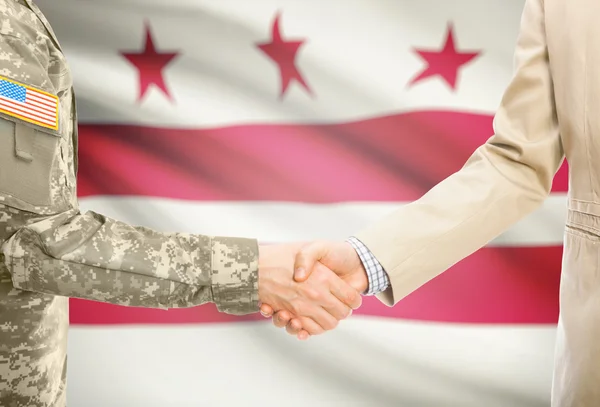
{"type": "Point", "coordinates": [29, 104]}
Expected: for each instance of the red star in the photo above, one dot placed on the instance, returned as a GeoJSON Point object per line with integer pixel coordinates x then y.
{"type": "Point", "coordinates": [150, 65]}
{"type": "Point", "coordinates": [283, 53]}
{"type": "Point", "coordinates": [444, 63]}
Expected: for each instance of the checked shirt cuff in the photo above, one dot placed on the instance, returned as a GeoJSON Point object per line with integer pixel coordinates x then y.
{"type": "Point", "coordinates": [378, 278]}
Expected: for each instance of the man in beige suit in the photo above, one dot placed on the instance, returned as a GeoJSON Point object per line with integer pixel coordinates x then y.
{"type": "Point", "coordinates": [550, 110]}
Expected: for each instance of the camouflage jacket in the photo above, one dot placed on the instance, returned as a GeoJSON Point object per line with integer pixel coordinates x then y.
{"type": "Point", "coordinates": [51, 251]}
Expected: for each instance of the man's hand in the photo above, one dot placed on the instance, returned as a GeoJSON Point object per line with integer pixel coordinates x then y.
{"type": "Point", "coordinates": [317, 304]}
{"type": "Point", "coordinates": [337, 256]}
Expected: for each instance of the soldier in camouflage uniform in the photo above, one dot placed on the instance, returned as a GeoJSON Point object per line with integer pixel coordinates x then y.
{"type": "Point", "coordinates": [52, 251]}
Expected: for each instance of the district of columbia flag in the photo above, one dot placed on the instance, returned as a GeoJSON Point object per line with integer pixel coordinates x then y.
{"type": "Point", "coordinates": [292, 121]}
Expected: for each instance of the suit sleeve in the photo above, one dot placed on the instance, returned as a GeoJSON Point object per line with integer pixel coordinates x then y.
{"type": "Point", "coordinates": [504, 180]}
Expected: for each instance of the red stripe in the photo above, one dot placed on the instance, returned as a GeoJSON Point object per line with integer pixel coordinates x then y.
{"type": "Point", "coordinates": [41, 98]}
{"type": "Point", "coordinates": [25, 108]}
{"type": "Point", "coordinates": [25, 111]}
{"type": "Point", "coordinates": [393, 158]}
{"type": "Point", "coordinates": [42, 108]}
{"type": "Point", "coordinates": [29, 105]}
{"type": "Point", "coordinates": [494, 285]}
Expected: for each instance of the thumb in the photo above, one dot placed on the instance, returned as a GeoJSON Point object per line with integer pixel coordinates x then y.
{"type": "Point", "coordinates": [306, 259]}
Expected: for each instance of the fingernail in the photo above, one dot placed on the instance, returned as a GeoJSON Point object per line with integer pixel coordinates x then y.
{"type": "Point", "coordinates": [300, 272]}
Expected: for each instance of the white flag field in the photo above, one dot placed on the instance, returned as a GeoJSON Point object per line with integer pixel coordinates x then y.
{"type": "Point", "coordinates": [296, 120]}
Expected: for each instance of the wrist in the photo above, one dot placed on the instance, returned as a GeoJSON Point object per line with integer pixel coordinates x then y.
{"type": "Point", "coordinates": [263, 271]}
{"type": "Point", "coordinates": [363, 280]}
{"type": "Point", "coordinates": [360, 278]}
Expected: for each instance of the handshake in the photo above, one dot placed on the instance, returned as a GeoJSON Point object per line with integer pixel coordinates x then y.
{"type": "Point", "coordinates": [309, 288]}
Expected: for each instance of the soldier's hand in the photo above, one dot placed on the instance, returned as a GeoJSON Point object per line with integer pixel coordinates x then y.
{"type": "Point", "coordinates": [317, 304]}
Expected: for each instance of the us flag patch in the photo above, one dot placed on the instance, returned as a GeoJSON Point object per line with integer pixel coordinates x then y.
{"type": "Point", "coordinates": [29, 104]}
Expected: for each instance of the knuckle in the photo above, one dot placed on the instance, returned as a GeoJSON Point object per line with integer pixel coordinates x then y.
{"type": "Point", "coordinates": [331, 324]}
{"type": "Point", "coordinates": [323, 277]}
{"type": "Point", "coordinates": [302, 255]}
{"type": "Point", "coordinates": [352, 297]}
{"type": "Point", "coordinates": [312, 293]}
{"type": "Point", "coordinates": [337, 309]}
{"type": "Point", "coordinates": [298, 307]}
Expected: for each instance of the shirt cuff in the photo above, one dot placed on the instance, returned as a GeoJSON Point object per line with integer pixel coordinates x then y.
{"type": "Point", "coordinates": [376, 275]}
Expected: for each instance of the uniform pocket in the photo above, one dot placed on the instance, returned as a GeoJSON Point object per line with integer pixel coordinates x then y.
{"type": "Point", "coordinates": [27, 158]}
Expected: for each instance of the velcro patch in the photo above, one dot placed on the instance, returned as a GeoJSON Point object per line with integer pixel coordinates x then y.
{"type": "Point", "coordinates": [28, 104]}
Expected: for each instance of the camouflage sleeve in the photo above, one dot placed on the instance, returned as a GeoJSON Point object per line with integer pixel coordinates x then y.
{"type": "Point", "coordinates": [94, 257]}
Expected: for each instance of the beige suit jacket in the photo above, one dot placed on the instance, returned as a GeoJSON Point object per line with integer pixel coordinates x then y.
{"type": "Point", "coordinates": [551, 109]}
